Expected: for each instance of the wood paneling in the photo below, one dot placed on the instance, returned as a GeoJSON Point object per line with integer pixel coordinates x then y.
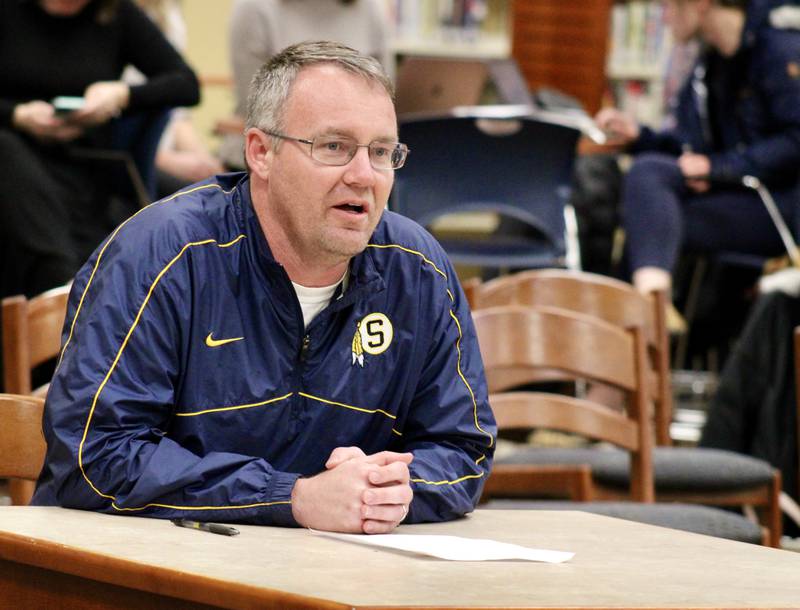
{"type": "Point", "coordinates": [563, 45]}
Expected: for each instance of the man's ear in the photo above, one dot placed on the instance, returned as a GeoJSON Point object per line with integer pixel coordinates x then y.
{"type": "Point", "coordinates": [258, 152]}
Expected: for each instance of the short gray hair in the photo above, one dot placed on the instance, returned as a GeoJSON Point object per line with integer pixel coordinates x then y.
{"type": "Point", "coordinates": [271, 85]}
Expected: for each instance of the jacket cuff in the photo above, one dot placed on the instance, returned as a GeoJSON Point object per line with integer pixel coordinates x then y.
{"type": "Point", "coordinates": [725, 169]}
{"type": "Point", "coordinates": [647, 140]}
{"type": "Point", "coordinates": [280, 490]}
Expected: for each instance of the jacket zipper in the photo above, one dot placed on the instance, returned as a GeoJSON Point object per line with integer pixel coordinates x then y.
{"type": "Point", "coordinates": [304, 348]}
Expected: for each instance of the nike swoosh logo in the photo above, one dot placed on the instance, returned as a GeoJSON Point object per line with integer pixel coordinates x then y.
{"type": "Point", "coordinates": [211, 342]}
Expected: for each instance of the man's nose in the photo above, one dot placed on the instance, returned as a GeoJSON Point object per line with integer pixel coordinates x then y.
{"type": "Point", "coordinates": [359, 169]}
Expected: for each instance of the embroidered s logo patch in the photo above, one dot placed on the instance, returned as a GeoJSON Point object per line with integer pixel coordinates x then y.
{"type": "Point", "coordinates": [374, 334]}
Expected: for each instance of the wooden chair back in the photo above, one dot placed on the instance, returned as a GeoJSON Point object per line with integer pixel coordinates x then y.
{"type": "Point", "coordinates": [22, 445]}
{"type": "Point", "coordinates": [31, 335]}
{"type": "Point", "coordinates": [611, 300]}
{"type": "Point", "coordinates": [471, 286]}
{"type": "Point", "coordinates": [575, 346]}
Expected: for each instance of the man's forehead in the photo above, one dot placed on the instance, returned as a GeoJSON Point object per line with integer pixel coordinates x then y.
{"type": "Point", "coordinates": [330, 99]}
{"type": "Point", "coordinates": [327, 79]}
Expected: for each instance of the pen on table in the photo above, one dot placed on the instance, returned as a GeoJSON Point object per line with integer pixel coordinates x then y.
{"type": "Point", "coordinates": [214, 528]}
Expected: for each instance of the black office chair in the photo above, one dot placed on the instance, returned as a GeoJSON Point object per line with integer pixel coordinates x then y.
{"type": "Point", "coordinates": [519, 168]}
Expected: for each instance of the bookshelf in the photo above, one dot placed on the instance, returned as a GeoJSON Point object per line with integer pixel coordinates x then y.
{"type": "Point", "coordinates": [639, 50]}
{"type": "Point", "coordinates": [451, 28]}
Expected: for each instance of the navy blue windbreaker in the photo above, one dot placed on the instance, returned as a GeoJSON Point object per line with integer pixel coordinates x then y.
{"type": "Point", "coordinates": [189, 387]}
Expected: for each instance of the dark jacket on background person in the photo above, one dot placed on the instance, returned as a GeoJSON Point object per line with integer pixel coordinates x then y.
{"type": "Point", "coordinates": [755, 408]}
{"type": "Point", "coordinates": [743, 111]}
{"type": "Point", "coordinates": [189, 386]}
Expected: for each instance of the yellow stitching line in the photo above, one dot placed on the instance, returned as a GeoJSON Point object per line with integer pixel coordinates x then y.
{"type": "Point", "coordinates": [420, 254]}
{"type": "Point", "coordinates": [480, 459]}
{"type": "Point", "coordinates": [102, 251]}
{"type": "Point", "coordinates": [458, 327]}
{"type": "Point", "coordinates": [124, 345]}
{"type": "Point", "coordinates": [466, 383]}
{"type": "Point", "coordinates": [396, 432]}
{"type": "Point", "coordinates": [156, 505]}
{"type": "Point", "coordinates": [341, 404]}
{"type": "Point", "coordinates": [464, 478]}
{"type": "Point", "coordinates": [233, 408]}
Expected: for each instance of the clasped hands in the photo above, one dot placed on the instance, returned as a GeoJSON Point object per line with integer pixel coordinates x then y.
{"type": "Point", "coordinates": [102, 101]}
{"type": "Point", "coordinates": [356, 493]}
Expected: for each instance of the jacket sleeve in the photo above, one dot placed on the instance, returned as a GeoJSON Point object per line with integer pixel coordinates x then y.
{"type": "Point", "coordinates": [450, 428]}
{"type": "Point", "coordinates": [170, 80]}
{"type": "Point", "coordinates": [108, 411]}
{"type": "Point", "coordinates": [777, 154]}
{"type": "Point", "coordinates": [666, 141]}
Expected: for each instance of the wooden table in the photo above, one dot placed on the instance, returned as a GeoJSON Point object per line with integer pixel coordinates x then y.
{"type": "Point", "coordinates": [58, 558]}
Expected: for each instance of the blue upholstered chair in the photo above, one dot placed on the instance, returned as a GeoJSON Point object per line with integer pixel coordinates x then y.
{"type": "Point", "coordinates": [519, 168]}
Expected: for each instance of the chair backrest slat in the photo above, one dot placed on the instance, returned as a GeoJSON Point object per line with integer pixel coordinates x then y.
{"type": "Point", "coordinates": [22, 445]}
{"type": "Point", "coordinates": [526, 338]}
{"type": "Point", "coordinates": [564, 412]}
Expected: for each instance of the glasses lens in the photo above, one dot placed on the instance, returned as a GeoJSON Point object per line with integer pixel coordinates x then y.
{"type": "Point", "coordinates": [333, 150]}
{"type": "Point", "coordinates": [387, 155]}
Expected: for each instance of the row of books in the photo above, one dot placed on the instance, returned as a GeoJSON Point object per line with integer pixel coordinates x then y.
{"type": "Point", "coordinates": [639, 39]}
{"type": "Point", "coordinates": [448, 20]}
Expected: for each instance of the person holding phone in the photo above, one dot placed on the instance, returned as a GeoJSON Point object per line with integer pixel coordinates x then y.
{"type": "Point", "coordinates": [61, 62]}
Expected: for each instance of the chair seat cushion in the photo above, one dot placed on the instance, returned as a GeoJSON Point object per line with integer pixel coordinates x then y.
{"type": "Point", "coordinates": [674, 468]}
{"type": "Point", "coordinates": [687, 517]}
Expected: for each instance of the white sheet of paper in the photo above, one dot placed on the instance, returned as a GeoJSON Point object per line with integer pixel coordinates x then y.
{"type": "Point", "coordinates": [454, 548]}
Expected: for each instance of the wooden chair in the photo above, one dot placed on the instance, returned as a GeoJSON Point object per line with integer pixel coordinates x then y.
{"type": "Point", "coordinates": [611, 300]}
{"type": "Point", "coordinates": [684, 474]}
{"type": "Point", "coordinates": [22, 445]}
{"type": "Point", "coordinates": [545, 343]}
{"type": "Point", "coordinates": [31, 336]}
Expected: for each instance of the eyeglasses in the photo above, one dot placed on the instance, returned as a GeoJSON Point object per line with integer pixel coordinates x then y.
{"type": "Point", "coordinates": [340, 150]}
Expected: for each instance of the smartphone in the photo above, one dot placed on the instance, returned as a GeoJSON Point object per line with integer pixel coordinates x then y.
{"type": "Point", "coordinates": [65, 104]}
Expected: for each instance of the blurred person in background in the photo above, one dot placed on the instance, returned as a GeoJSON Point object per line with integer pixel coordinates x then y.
{"type": "Point", "coordinates": [54, 203]}
{"type": "Point", "coordinates": [738, 114]}
{"type": "Point", "coordinates": [182, 157]}
{"type": "Point", "coordinates": [260, 28]}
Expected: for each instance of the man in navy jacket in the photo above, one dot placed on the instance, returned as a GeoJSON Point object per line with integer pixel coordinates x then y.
{"type": "Point", "coordinates": [275, 347]}
{"type": "Point", "coordinates": [738, 114]}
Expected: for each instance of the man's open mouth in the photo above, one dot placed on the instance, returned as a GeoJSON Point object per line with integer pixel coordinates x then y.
{"type": "Point", "coordinates": [353, 208]}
